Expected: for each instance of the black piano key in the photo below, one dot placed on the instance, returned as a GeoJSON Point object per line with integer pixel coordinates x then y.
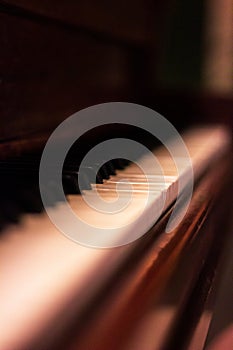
{"type": "Point", "coordinates": [120, 163]}
{"type": "Point", "coordinates": [74, 181]}
{"type": "Point", "coordinates": [103, 172]}
{"type": "Point", "coordinates": [70, 183]}
{"type": "Point", "coordinates": [91, 174]}
{"type": "Point", "coordinates": [19, 184]}
{"type": "Point", "coordinates": [30, 200]}
{"type": "Point", "coordinates": [10, 211]}
{"type": "Point", "coordinates": [110, 167]}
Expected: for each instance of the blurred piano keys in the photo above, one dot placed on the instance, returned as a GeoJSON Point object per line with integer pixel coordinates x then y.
{"type": "Point", "coordinates": [51, 286]}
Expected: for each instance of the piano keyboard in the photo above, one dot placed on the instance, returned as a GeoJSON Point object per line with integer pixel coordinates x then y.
{"type": "Point", "coordinates": [144, 196]}
{"type": "Point", "coordinates": [42, 271]}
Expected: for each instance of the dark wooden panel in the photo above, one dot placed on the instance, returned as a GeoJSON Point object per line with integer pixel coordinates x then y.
{"type": "Point", "coordinates": [48, 72]}
{"type": "Point", "coordinates": [130, 21]}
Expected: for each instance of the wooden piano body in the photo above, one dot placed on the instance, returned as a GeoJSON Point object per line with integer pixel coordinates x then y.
{"type": "Point", "coordinates": [160, 291]}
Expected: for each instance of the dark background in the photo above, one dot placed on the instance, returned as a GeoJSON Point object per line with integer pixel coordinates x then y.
{"type": "Point", "coordinates": [59, 57]}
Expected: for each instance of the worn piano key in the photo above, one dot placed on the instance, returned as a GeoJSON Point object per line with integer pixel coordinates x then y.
{"type": "Point", "coordinates": [121, 186]}
{"type": "Point", "coordinates": [110, 194]}
{"type": "Point", "coordinates": [142, 177]}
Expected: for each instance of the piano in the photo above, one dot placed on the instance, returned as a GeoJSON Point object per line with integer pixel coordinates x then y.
{"type": "Point", "coordinates": [164, 289]}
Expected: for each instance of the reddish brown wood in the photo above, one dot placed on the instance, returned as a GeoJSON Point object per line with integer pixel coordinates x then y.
{"type": "Point", "coordinates": [132, 22]}
{"type": "Point", "coordinates": [48, 73]}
